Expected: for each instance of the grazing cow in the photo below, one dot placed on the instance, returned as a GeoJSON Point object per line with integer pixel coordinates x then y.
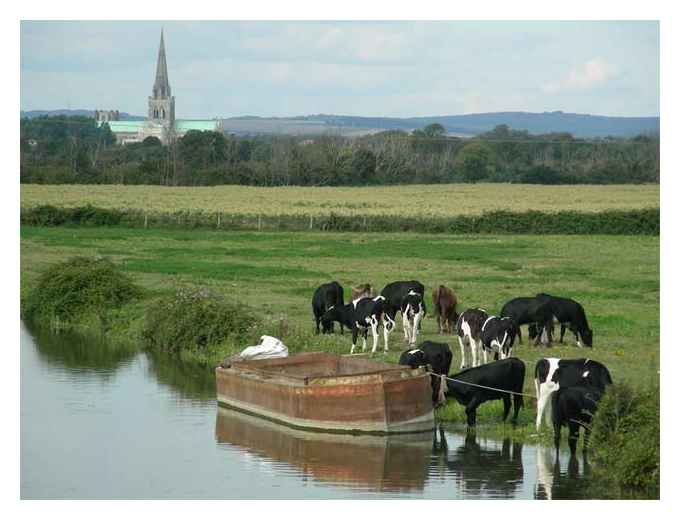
{"type": "Point", "coordinates": [394, 294]}
{"type": "Point", "coordinates": [362, 291]}
{"type": "Point", "coordinates": [569, 314]}
{"type": "Point", "coordinates": [551, 374]}
{"type": "Point", "coordinates": [359, 316]}
{"type": "Point", "coordinates": [533, 311]}
{"type": "Point", "coordinates": [438, 356]}
{"type": "Point", "coordinates": [326, 296]}
{"type": "Point", "coordinates": [498, 336]}
{"type": "Point", "coordinates": [469, 327]}
{"type": "Point", "coordinates": [444, 302]}
{"type": "Point", "coordinates": [412, 312]}
{"type": "Point", "coordinates": [574, 407]}
{"type": "Point", "coordinates": [504, 376]}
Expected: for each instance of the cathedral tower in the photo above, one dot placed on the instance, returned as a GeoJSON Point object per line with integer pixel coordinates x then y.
{"type": "Point", "coordinates": [162, 102]}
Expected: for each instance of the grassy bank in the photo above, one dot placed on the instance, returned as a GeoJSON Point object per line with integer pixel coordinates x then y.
{"type": "Point", "coordinates": [441, 200]}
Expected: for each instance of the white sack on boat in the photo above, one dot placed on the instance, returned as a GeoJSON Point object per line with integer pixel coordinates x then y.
{"type": "Point", "coordinates": [269, 347]}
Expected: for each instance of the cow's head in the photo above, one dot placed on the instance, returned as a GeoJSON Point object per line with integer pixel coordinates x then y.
{"type": "Point", "coordinates": [332, 314]}
{"type": "Point", "coordinates": [587, 336]}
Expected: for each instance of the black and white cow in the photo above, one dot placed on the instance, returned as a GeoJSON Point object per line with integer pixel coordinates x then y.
{"type": "Point", "coordinates": [570, 314]}
{"type": "Point", "coordinates": [574, 407]}
{"type": "Point", "coordinates": [498, 337]}
{"type": "Point", "coordinates": [394, 294]}
{"type": "Point", "coordinates": [469, 327]}
{"type": "Point", "coordinates": [506, 375]}
{"type": "Point", "coordinates": [532, 311]}
{"type": "Point", "coordinates": [412, 312]}
{"type": "Point", "coordinates": [551, 374]}
{"type": "Point", "coordinates": [360, 315]}
{"type": "Point", "coordinates": [327, 295]}
{"type": "Point", "coordinates": [438, 356]}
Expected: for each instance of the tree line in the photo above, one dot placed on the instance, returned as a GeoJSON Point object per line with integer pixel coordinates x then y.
{"type": "Point", "coordinates": [74, 150]}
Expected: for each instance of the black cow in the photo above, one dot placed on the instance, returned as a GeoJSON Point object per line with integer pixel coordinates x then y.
{"type": "Point", "coordinates": [469, 327]}
{"type": "Point", "coordinates": [498, 336]}
{"type": "Point", "coordinates": [506, 375]}
{"type": "Point", "coordinates": [552, 374]}
{"type": "Point", "coordinates": [438, 356]}
{"type": "Point", "coordinates": [570, 314]}
{"type": "Point", "coordinates": [327, 295]}
{"type": "Point", "coordinates": [527, 310]}
{"type": "Point", "coordinates": [394, 294]}
{"type": "Point", "coordinates": [359, 316]}
{"type": "Point", "coordinates": [574, 407]}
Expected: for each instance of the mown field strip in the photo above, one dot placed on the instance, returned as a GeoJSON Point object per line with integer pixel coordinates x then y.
{"type": "Point", "coordinates": [417, 200]}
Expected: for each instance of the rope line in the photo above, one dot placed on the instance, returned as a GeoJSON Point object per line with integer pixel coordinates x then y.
{"type": "Point", "coordinates": [482, 386]}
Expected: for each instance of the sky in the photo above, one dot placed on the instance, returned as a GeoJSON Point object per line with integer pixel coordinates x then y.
{"type": "Point", "coordinates": [394, 69]}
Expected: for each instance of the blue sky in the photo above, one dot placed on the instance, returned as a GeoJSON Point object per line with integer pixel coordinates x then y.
{"type": "Point", "coordinates": [401, 69]}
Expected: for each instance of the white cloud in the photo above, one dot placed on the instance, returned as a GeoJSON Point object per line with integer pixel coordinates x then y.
{"type": "Point", "coordinates": [592, 73]}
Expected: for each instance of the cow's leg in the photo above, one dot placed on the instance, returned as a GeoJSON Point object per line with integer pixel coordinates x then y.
{"type": "Point", "coordinates": [388, 325]}
{"type": "Point", "coordinates": [364, 335]}
{"type": "Point", "coordinates": [586, 440]}
{"type": "Point", "coordinates": [573, 437]}
{"type": "Point", "coordinates": [342, 328]}
{"type": "Point", "coordinates": [563, 329]}
{"type": "Point", "coordinates": [462, 352]}
{"type": "Point", "coordinates": [518, 401]}
{"type": "Point", "coordinates": [543, 404]}
{"type": "Point", "coordinates": [416, 323]}
{"type": "Point", "coordinates": [471, 412]}
{"type": "Point", "coordinates": [519, 334]}
{"type": "Point", "coordinates": [318, 320]}
{"type": "Point", "coordinates": [507, 404]}
{"type": "Point", "coordinates": [355, 333]}
{"type": "Point", "coordinates": [557, 428]}
{"type": "Point", "coordinates": [406, 323]}
{"type": "Point", "coordinates": [486, 355]}
{"type": "Point", "coordinates": [374, 331]}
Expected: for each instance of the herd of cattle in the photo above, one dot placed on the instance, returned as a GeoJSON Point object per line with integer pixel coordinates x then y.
{"type": "Point", "coordinates": [568, 390]}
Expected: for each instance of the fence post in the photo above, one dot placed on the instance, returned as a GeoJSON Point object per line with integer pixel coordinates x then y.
{"type": "Point", "coordinates": [218, 218]}
{"type": "Point", "coordinates": [311, 221]}
{"type": "Point", "coordinates": [146, 220]}
{"type": "Point", "coordinates": [259, 222]}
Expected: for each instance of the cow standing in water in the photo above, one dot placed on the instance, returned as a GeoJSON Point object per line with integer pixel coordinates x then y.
{"type": "Point", "coordinates": [444, 302]}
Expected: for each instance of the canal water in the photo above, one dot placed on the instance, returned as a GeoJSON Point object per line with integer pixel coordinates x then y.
{"type": "Point", "coordinates": [102, 422]}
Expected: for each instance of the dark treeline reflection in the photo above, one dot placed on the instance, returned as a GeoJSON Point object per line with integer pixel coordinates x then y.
{"type": "Point", "coordinates": [189, 380]}
{"type": "Point", "coordinates": [80, 352]}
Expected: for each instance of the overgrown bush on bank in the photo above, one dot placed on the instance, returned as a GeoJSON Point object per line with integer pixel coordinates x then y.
{"type": "Point", "coordinates": [78, 288]}
{"type": "Point", "coordinates": [625, 440]}
{"type": "Point", "coordinates": [195, 322]}
{"type": "Point", "coordinates": [610, 222]}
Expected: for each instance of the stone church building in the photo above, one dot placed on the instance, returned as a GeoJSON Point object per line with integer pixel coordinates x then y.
{"type": "Point", "coordinates": [160, 119]}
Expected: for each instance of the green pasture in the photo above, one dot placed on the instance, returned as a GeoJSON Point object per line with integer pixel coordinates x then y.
{"type": "Point", "coordinates": [616, 278]}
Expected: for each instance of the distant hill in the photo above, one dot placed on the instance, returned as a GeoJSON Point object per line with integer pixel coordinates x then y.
{"type": "Point", "coordinates": [78, 112]}
{"type": "Point", "coordinates": [580, 125]}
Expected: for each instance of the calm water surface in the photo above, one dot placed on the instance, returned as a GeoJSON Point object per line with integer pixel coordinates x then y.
{"type": "Point", "coordinates": [100, 422]}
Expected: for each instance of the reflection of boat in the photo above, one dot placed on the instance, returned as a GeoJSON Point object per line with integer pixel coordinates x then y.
{"type": "Point", "coordinates": [327, 392]}
{"type": "Point", "coordinates": [379, 463]}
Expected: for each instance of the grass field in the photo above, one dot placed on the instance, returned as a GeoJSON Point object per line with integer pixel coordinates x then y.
{"type": "Point", "coordinates": [615, 278]}
{"type": "Point", "coordinates": [444, 200]}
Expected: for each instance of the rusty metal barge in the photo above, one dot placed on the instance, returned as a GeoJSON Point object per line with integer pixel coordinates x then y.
{"type": "Point", "coordinates": [327, 392]}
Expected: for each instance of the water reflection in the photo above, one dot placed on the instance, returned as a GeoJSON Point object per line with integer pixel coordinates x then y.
{"type": "Point", "coordinates": [488, 469]}
{"type": "Point", "coordinates": [376, 463]}
{"type": "Point", "coordinates": [79, 352]}
{"type": "Point", "coordinates": [190, 381]}
{"type": "Point", "coordinates": [560, 478]}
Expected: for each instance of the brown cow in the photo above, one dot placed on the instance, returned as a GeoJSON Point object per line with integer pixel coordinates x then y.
{"type": "Point", "coordinates": [444, 302]}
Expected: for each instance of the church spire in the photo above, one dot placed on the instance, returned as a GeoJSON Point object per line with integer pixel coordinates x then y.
{"type": "Point", "coordinates": [161, 87]}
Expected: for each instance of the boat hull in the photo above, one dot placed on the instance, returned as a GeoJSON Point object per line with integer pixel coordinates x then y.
{"type": "Point", "coordinates": [324, 392]}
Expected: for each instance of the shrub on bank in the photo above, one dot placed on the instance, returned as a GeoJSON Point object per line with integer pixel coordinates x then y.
{"type": "Point", "coordinates": [79, 287]}
{"type": "Point", "coordinates": [625, 439]}
{"type": "Point", "coordinates": [196, 321]}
